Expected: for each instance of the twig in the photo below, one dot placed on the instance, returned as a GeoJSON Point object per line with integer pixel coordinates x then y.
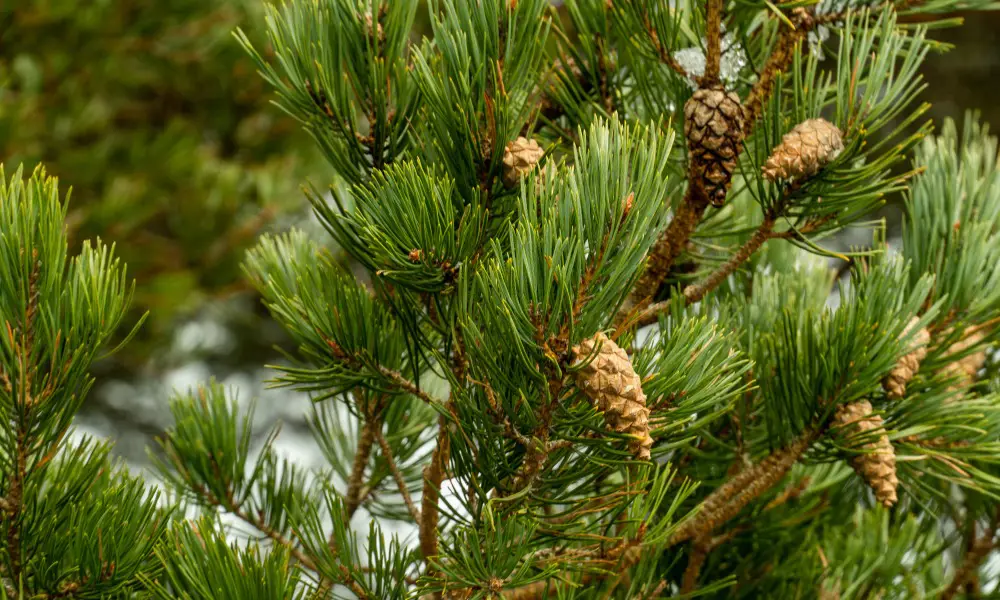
{"type": "Point", "coordinates": [408, 386]}
{"type": "Point", "coordinates": [622, 558]}
{"type": "Point", "coordinates": [663, 254]}
{"type": "Point", "coordinates": [713, 41]}
{"type": "Point", "coordinates": [400, 482]}
{"type": "Point", "coordinates": [695, 292]}
{"type": "Point", "coordinates": [433, 476]}
{"type": "Point", "coordinates": [663, 53]}
{"type": "Point", "coordinates": [776, 63]}
{"type": "Point", "coordinates": [729, 499]}
{"type": "Point", "coordinates": [657, 591]}
{"type": "Point", "coordinates": [699, 552]}
{"type": "Point", "coordinates": [352, 499]}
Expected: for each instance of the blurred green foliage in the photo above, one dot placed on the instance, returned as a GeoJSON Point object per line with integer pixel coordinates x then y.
{"type": "Point", "coordinates": [156, 117]}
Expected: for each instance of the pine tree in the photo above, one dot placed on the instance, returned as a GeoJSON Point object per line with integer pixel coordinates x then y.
{"type": "Point", "coordinates": [593, 353]}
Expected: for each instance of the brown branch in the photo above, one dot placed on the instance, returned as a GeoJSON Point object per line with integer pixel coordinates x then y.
{"type": "Point", "coordinates": [729, 499]}
{"type": "Point", "coordinates": [699, 553]}
{"type": "Point", "coordinates": [352, 499]}
{"type": "Point", "coordinates": [663, 254]}
{"type": "Point", "coordinates": [663, 53]}
{"type": "Point", "coordinates": [657, 591]}
{"type": "Point", "coordinates": [400, 482]}
{"type": "Point", "coordinates": [433, 476]}
{"type": "Point", "coordinates": [777, 62]}
{"type": "Point", "coordinates": [622, 558]}
{"type": "Point", "coordinates": [407, 386]}
{"type": "Point", "coordinates": [713, 41]}
{"type": "Point", "coordinates": [694, 293]}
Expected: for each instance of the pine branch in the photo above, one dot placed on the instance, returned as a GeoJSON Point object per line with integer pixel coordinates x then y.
{"type": "Point", "coordinates": [433, 476]}
{"type": "Point", "coordinates": [730, 498]}
{"type": "Point", "coordinates": [408, 386]}
{"type": "Point", "coordinates": [400, 482]}
{"type": "Point", "coordinates": [694, 293]}
{"type": "Point", "coordinates": [777, 62]}
{"type": "Point", "coordinates": [713, 41]}
{"type": "Point", "coordinates": [696, 559]}
{"type": "Point", "coordinates": [353, 499]}
{"type": "Point", "coordinates": [668, 247]}
{"type": "Point", "coordinates": [14, 499]}
{"type": "Point", "coordinates": [623, 557]}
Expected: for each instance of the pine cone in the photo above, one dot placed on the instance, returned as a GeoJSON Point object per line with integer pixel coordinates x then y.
{"type": "Point", "coordinates": [878, 465]}
{"type": "Point", "coordinates": [519, 159]}
{"type": "Point", "coordinates": [968, 366]}
{"type": "Point", "coordinates": [613, 385]}
{"type": "Point", "coordinates": [895, 382]}
{"type": "Point", "coordinates": [804, 150]}
{"type": "Point", "coordinates": [378, 33]}
{"type": "Point", "coordinates": [714, 122]}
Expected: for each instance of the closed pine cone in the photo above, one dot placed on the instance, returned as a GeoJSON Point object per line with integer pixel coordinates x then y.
{"type": "Point", "coordinates": [895, 382]}
{"type": "Point", "coordinates": [966, 368]}
{"type": "Point", "coordinates": [613, 385]}
{"type": "Point", "coordinates": [519, 158]}
{"type": "Point", "coordinates": [714, 123]}
{"type": "Point", "coordinates": [878, 465]}
{"type": "Point", "coordinates": [804, 150]}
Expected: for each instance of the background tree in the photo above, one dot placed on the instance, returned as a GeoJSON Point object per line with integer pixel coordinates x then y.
{"type": "Point", "coordinates": [164, 130]}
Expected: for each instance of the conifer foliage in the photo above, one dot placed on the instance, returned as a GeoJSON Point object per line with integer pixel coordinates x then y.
{"type": "Point", "coordinates": [592, 353]}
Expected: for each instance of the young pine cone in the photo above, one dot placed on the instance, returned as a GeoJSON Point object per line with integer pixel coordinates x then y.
{"type": "Point", "coordinates": [878, 465]}
{"type": "Point", "coordinates": [613, 385]}
{"type": "Point", "coordinates": [714, 122]}
{"type": "Point", "coordinates": [378, 33]}
{"type": "Point", "coordinates": [966, 368]}
{"type": "Point", "coordinates": [804, 150]}
{"type": "Point", "coordinates": [519, 159]}
{"type": "Point", "coordinates": [895, 382]}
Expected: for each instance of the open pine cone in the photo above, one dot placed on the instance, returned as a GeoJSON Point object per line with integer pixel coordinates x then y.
{"type": "Point", "coordinates": [613, 385]}
{"type": "Point", "coordinates": [714, 123]}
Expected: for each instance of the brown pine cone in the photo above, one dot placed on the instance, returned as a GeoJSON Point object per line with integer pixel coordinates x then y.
{"type": "Point", "coordinates": [895, 382]}
{"type": "Point", "coordinates": [714, 122]}
{"type": "Point", "coordinates": [804, 150]}
{"type": "Point", "coordinates": [613, 385]}
{"type": "Point", "coordinates": [519, 159]}
{"type": "Point", "coordinates": [878, 465]}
